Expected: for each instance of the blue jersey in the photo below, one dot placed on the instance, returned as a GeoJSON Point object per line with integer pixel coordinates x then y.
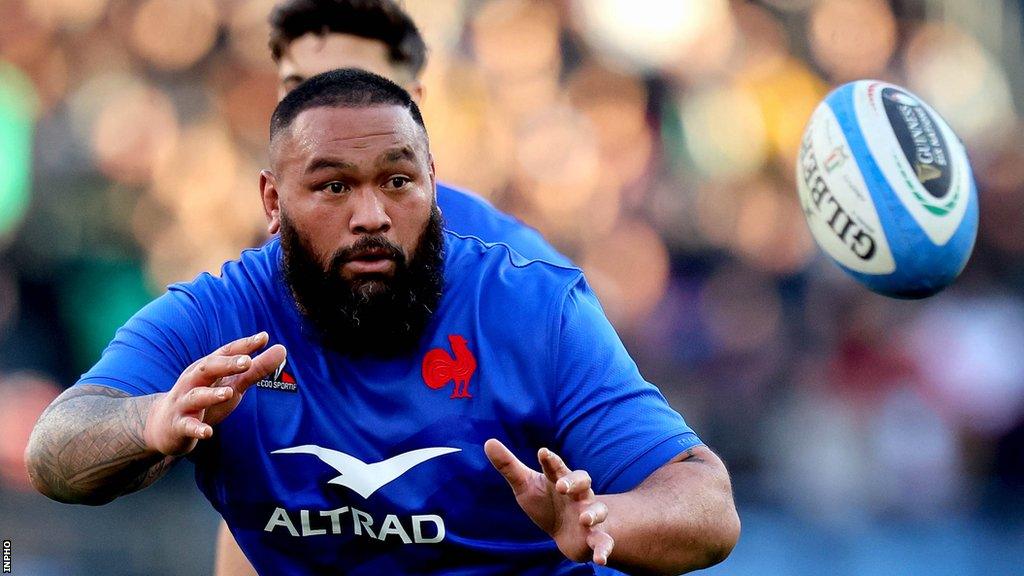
{"type": "Point", "coordinates": [367, 466]}
{"type": "Point", "coordinates": [470, 215]}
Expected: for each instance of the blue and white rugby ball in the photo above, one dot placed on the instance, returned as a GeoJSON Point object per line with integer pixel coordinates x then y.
{"type": "Point", "coordinates": [887, 189]}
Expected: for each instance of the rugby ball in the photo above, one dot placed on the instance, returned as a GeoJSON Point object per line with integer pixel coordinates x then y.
{"type": "Point", "coordinates": [887, 189]}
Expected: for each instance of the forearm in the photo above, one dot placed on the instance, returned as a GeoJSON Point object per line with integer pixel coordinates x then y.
{"type": "Point", "coordinates": [88, 447]}
{"type": "Point", "coordinates": [679, 519]}
{"type": "Point", "coordinates": [229, 559]}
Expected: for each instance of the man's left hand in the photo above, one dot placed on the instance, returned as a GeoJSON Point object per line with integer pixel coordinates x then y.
{"type": "Point", "coordinates": [559, 500]}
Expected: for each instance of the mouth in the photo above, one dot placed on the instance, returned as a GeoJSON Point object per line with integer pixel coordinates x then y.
{"type": "Point", "coordinates": [370, 261]}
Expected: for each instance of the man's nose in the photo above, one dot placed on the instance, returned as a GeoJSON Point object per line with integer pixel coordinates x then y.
{"type": "Point", "coordinates": [369, 214]}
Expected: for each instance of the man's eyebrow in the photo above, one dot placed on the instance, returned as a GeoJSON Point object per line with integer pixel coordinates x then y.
{"type": "Point", "coordinates": [397, 154]}
{"type": "Point", "coordinates": [328, 163]}
{"type": "Point", "coordinates": [292, 78]}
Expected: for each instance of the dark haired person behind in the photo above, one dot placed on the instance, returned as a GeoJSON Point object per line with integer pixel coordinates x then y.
{"type": "Point", "coordinates": [411, 351]}
{"type": "Point", "coordinates": [312, 36]}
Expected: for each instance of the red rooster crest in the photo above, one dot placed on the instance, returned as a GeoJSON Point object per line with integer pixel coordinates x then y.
{"type": "Point", "coordinates": [439, 367]}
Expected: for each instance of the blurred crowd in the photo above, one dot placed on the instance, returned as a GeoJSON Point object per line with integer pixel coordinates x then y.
{"type": "Point", "coordinates": [654, 142]}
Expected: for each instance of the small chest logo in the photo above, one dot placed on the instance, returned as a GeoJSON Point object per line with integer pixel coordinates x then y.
{"type": "Point", "coordinates": [440, 368]}
{"type": "Point", "coordinates": [281, 380]}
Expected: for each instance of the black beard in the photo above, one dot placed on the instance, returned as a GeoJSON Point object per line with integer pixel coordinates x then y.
{"type": "Point", "coordinates": [375, 315]}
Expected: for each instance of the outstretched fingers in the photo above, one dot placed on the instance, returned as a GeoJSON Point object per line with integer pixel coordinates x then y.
{"type": "Point", "coordinates": [208, 369]}
{"type": "Point", "coordinates": [601, 543]}
{"type": "Point", "coordinates": [261, 366]}
{"type": "Point", "coordinates": [229, 360]}
{"type": "Point", "coordinates": [552, 464]}
{"type": "Point", "coordinates": [561, 501]}
{"type": "Point", "coordinates": [202, 398]}
{"type": "Point", "coordinates": [192, 427]}
{"type": "Point", "coordinates": [511, 468]}
{"type": "Point", "coordinates": [576, 484]}
{"type": "Point", "coordinates": [246, 345]}
{"type": "Point", "coordinates": [594, 514]}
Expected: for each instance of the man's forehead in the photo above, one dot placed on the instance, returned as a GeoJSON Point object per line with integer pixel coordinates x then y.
{"type": "Point", "coordinates": [381, 127]}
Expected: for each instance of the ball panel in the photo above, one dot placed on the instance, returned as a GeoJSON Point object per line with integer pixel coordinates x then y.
{"type": "Point", "coordinates": [919, 154]}
{"type": "Point", "coordinates": [835, 199]}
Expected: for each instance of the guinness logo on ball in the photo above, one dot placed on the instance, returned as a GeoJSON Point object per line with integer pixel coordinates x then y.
{"type": "Point", "coordinates": [925, 148]}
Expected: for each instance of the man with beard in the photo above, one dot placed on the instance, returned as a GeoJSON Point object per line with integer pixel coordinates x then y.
{"type": "Point", "coordinates": [308, 37]}
{"type": "Point", "coordinates": [352, 456]}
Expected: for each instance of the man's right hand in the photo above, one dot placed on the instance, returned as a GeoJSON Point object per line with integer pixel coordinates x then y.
{"type": "Point", "coordinates": [206, 392]}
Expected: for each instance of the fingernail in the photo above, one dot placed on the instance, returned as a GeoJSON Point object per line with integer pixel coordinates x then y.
{"type": "Point", "coordinates": [221, 393]}
{"type": "Point", "coordinates": [241, 361]}
{"type": "Point", "coordinates": [589, 518]}
{"type": "Point", "coordinates": [568, 485]}
{"type": "Point", "coordinates": [257, 337]}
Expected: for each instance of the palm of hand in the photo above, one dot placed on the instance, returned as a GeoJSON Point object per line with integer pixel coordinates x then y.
{"type": "Point", "coordinates": [560, 501]}
{"type": "Point", "coordinates": [558, 515]}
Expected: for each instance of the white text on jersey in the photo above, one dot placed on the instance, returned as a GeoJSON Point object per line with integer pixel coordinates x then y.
{"type": "Point", "coordinates": [418, 529]}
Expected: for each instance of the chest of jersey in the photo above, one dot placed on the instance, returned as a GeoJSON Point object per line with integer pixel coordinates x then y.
{"type": "Point", "coordinates": [334, 456]}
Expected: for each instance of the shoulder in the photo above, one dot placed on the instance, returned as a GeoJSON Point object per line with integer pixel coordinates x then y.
{"type": "Point", "coordinates": [252, 275]}
{"type": "Point", "coordinates": [469, 247]}
{"type": "Point", "coordinates": [472, 215]}
{"type": "Point", "coordinates": [459, 200]}
{"type": "Point", "coordinates": [467, 214]}
{"type": "Point", "coordinates": [503, 272]}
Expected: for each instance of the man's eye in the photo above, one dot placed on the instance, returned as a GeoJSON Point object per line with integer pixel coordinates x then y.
{"type": "Point", "coordinates": [335, 188]}
{"type": "Point", "coordinates": [398, 181]}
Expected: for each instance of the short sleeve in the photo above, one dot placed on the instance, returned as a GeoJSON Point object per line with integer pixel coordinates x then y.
{"type": "Point", "coordinates": [148, 353]}
{"type": "Point", "coordinates": [610, 421]}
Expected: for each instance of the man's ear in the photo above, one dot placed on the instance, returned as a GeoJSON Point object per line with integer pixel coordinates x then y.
{"type": "Point", "coordinates": [416, 91]}
{"type": "Point", "coordinates": [433, 177]}
{"type": "Point", "coordinates": [271, 201]}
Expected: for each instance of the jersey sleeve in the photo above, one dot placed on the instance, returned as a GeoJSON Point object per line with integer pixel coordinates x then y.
{"type": "Point", "coordinates": [149, 353]}
{"type": "Point", "coordinates": [610, 421]}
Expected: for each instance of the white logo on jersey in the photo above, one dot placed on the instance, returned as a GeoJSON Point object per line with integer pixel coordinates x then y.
{"type": "Point", "coordinates": [277, 373]}
{"type": "Point", "coordinates": [363, 478]}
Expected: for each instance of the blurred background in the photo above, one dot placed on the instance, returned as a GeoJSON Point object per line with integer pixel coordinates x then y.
{"type": "Point", "coordinates": [654, 142]}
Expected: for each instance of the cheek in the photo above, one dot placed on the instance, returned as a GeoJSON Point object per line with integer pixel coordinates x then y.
{"type": "Point", "coordinates": [319, 231]}
{"type": "Point", "coordinates": [410, 221]}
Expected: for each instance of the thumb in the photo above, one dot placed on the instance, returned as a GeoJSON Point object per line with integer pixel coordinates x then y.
{"type": "Point", "coordinates": [505, 462]}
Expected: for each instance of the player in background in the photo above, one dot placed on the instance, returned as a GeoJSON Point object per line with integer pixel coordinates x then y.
{"type": "Point", "coordinates": [354, 457]}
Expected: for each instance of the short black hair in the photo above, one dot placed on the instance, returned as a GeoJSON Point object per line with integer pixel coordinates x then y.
{"type": "Point", "coordinates": [382, 20]}
{"type": "Point", "coordinates": [342, 88]}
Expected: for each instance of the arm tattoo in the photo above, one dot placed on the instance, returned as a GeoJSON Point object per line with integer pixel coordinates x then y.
{"type": "Point", "coordinates": [692, 456]}
{"type": "Point", "coordinates": [88, 446]}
